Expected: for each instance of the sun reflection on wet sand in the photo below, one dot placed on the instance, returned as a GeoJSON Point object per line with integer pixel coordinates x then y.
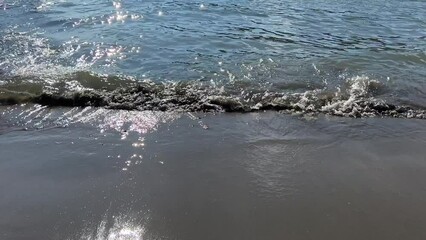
{"type": "Point", "coordinates": [133, 121]}
{"type": "Point", "coordinates": [122, 229]}
{"type": "Point", "coordinates": [131, 127]}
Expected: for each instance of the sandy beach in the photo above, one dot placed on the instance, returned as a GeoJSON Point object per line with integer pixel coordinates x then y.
{"type": "Point", "coordinates": [71, 173]}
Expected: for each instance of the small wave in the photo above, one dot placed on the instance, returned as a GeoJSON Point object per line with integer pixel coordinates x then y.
{"type": "Point", "coordinates": [355, 99]}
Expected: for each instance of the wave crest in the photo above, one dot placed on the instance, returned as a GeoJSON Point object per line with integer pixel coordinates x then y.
{"type": "Point", "coordinates": [356, 98]}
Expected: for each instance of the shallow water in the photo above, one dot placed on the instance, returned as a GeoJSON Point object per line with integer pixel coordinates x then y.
{"type": "Point", "coordinates": [247, 46]}
{"type": "Point", "coordinates": [107, 174]}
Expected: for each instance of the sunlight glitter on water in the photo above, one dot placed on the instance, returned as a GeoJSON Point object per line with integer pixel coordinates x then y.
{"type": "Point", "coordinates": [45, 5]}
{"type": "Point", "coordinates": [121, 121]}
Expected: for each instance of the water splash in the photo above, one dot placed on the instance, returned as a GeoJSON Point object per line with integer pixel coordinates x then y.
{"type": "Point", "coordinates": [356, 97]}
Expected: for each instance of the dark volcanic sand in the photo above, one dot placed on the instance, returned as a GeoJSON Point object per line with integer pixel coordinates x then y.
{"type": "Point", "coordinates": [108, 174]}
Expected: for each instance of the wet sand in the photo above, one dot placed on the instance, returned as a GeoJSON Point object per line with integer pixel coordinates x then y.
{"type": "Point", "coordinates": [102, 174]}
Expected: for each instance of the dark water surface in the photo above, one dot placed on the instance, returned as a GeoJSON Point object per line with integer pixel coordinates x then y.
{"type": "Point", "coordinates": [242, 49]}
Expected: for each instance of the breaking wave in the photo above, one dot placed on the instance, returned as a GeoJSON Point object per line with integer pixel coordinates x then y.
{"type": "Point", "coordinates": [355, 98]}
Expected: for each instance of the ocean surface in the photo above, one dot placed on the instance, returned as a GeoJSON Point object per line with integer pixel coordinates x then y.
{"type": "Point", "coordinates": [351, 58]}
{"type": "Point", "coordinates": [193, 120]}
